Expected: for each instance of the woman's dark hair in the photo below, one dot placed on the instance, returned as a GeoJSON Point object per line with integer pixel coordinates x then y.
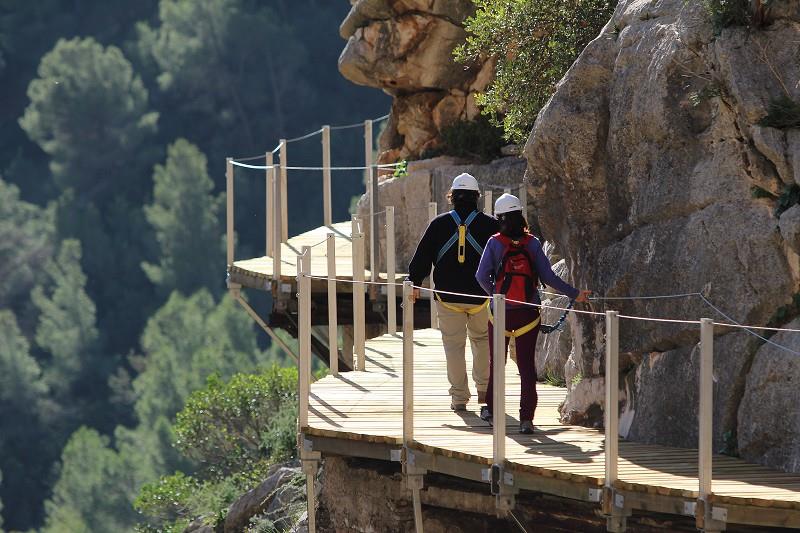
{"type": "Point", "coordinates": [464, 199]}
{"type": "Point", "coordinates": [513, 224]}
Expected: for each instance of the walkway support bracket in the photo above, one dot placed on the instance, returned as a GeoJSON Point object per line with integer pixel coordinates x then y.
{"type": "Point", "coordinates": [310, 464]}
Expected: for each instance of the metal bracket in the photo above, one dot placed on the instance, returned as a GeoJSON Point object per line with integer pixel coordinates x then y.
{"type": "Point", "coordinates": [396, 455]}
{"type": "Point", "coordinates": [594, 495]}
{"type": "Point", "coordinates": [689, 508]}
{"type": "Point", "coordinates": [719, 513]}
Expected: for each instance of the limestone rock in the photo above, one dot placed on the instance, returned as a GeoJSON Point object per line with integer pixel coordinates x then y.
{"type": "Point", "coordinates": [662, 404]}
{"type": "Point", "coordinates": [411, 52]}
{"type": "Point", "coordinates": [769, 417]}
{"type": "Point", "coordinates": [264, 498]}
{"type": "Point", "coordinates": [646, 194]}
{"type": "Point", "coordinates": [790, 227]}
{"type": "Point", "coordinates": [405, 47]}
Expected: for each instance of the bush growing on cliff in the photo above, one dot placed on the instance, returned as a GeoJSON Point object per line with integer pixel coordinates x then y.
{"type": "Point", "coordinates": [534, 43]}
{"type": "Point", "coordinates": [234, 430]}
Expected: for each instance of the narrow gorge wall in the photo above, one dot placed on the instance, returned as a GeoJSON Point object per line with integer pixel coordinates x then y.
{"type": "Point", "coordinates": [648, 190]}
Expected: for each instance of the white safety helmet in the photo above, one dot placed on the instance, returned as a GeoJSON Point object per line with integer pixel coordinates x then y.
{"type": "Point", "coordinates": [465, 182]}
{"type": "Point", "coordinates": [507, 203]}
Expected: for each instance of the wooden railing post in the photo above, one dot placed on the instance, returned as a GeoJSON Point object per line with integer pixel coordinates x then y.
{"type": "Point", "coordinates": [333, 328]}
{"type": "Point", "coordinates": [611, 414]}
{"type": "Point", "coordinates": [326, 175]}
{"type": "Point", "coordinates": [359, 336]}
{"type": "Point", "coordinates": [487, 202]}
{"type": "Point", "coordinates": [304, 333]}
{"type": "Point", "coordinates": [391, 274]}
{"type": "Point", "coordinates": [408, 363]}
{"type": "Point", "coordinates": [499, 379]}
{"type": "Point", "coordinates": [229, 235]}
{"type": "Point", "coordinates": [270, 207]}
{"type": "Point", "coordinates": [432, 211]}
{"type": "Point", "coordinates": [371, 182]}
{"type": "Point", "coordinates": [277, 217]}
{"type": "Point", "coordinates": [284, 194]}
{"type": "Point", "coordinates": [708, 519]}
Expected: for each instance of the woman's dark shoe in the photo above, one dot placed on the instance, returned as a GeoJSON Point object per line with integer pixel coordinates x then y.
{"type": "Point", "coordinates": [526, 427]}
{"type": "Point", "coordinates": [486, 415]}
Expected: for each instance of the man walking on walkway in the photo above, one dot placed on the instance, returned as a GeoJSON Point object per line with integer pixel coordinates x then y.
{"type": "Point", "coordinates": [453, 243]}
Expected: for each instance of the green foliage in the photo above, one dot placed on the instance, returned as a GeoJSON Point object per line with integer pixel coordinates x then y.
{"type": "Point", "coordinates": [788, 198]}
{"type": "Point", "coordinates": [66, 329]}
{"type": "Point", "coordinates": [89, 112]}
{"type": "Point", "coordinates": [93, 489]}
{"type": "Point", "coordinates": [231, 426]}
{"type": "Point", "coordinates": [26, 238]}
{"type": "Point", "coordinates": [478, 139]}
{"type": "Point", "coordinates": [185, 218]}
{"type": "Point", "coordinates": [709, 91]}
{"type": "Point", "coordinates": [554, 380]}
{"type": "Point", "coordinates": [401, 169]}
{"type": "Point", "coordinates": [21, 387]}
{"type": "Point", "coordinates": [186, 341]}
{"type": "Point", "coordinates": [782, 113]}
{"type": "Point", "coordinates": [204, 49]}
{"type": "Point", "coordinates": [167, 500]}
{"type": "Point", "coordinates": [577, 378]}
{"type": "Point", "coordinates": [726, 13]}
{"type": "Point", "coordinates": [534, 43]}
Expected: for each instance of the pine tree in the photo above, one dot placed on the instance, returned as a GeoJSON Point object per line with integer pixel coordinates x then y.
{"type": "Point", "coordinates": [89, 112]}
{"type": "Point", "coordinates": [67, 330]}
{"type": "Point", "coordinates": [185, 218]}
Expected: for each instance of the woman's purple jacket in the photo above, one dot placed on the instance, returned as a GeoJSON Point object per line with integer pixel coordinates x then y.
{"type": "Point", "coordinates": [490, 262]}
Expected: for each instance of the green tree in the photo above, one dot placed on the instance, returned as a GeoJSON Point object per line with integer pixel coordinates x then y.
{"type": "Point", "coordinates": [186, 341]}
{"type": "Point", "coordinates": [67, 329]}
{"type": "Point", "coordinates": [206, 50]}
{"type": "Point", "coordinates": [89, 112]}
{"type": "Point", "coordinates": [26, 240]}
{"type": "Point", "coordinates": [25, 451]}
{"type": "Point", "coordinates": [185, 218]}
{"type": "Point", "coordinates": [93, 490]}
{"type": "Point", "coordinates": [534, 43]}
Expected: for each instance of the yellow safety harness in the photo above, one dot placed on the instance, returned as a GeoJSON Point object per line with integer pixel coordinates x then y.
{"type": "Point", "coordinates": [519, 332]}
{"type": "Point", "coordinates": [469, 310]}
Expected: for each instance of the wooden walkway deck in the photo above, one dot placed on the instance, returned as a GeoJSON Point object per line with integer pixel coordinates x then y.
{"type": "Point", "coordinates": [257, 272]}
{"type": "Point", "coordinates": [363, 409]}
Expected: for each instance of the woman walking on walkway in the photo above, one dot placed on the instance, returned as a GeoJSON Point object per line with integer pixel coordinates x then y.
{"type": "Point", "coordinates": [513, 263]}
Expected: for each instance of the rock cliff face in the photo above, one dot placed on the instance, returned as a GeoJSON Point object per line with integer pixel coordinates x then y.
{"type": "Point", "coordinates": [643, 168]}
{"type": "Point", "coordinates": [405, 48]}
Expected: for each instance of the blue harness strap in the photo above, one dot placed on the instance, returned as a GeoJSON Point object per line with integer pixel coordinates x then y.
{"type": "Point", "coordinates": [452, 240]}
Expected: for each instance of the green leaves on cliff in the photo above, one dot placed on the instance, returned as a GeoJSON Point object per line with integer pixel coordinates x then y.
{"type": "Point", "coordinates": [534, 43]}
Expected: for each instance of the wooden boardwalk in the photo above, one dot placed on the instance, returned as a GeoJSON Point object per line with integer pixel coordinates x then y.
{"type": "Point", "coordinates": [365, 408]}
{"type": "Point", "coordinates": [258, 272]}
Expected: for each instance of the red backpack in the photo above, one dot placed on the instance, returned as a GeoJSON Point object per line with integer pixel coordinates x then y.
{"type": "Point", "coordinates": [516, 276]}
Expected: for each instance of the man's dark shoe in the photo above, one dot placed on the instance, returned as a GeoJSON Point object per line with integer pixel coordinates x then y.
{"type": "Point", "coordinates": [486, 415]}
{"type": "Point", "coordinates": [526, 427]}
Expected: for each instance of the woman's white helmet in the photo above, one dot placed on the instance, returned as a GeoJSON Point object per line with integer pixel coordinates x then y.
{"type": "Point", "coordinates": [465, 182]}
{"type": "Point", "coordinates": [507, 203]}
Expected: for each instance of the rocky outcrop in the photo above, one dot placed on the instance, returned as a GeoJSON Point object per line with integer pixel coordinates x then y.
{"type": "Point", "coordinates": [405, 47]}
{"type": "Point", "coordinates": [769, 418]}
{"type": "Point", "coordinates": [641, 168]}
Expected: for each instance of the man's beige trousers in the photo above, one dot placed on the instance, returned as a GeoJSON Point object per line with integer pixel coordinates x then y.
{"type": "Point", "coordinates": [455, 326]}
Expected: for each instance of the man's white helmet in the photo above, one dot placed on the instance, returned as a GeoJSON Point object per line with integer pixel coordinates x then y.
{"type": "Point", "coordinates": [465, 182]}
{"type": "Point", "coordinates": [507, 203]}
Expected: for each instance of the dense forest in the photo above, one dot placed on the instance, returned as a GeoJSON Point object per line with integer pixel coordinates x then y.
{"type": "Point", "coordinates": [115, 122]}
